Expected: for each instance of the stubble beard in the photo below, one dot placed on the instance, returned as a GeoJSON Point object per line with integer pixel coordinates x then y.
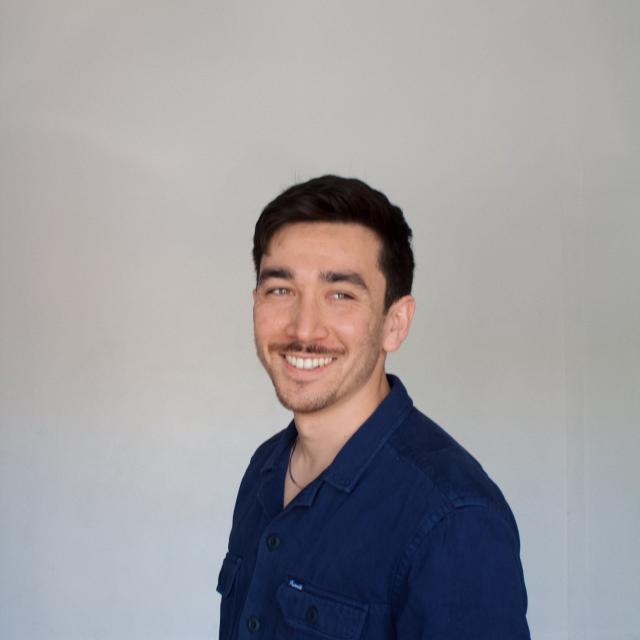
{"type": "Point", "coordinates": [292, 395]}
{"type": "Point", "coordinates": [298, 404]}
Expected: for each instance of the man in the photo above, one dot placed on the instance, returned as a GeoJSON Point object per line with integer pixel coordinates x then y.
{"type": "Point", "coordinates": [362, 519]}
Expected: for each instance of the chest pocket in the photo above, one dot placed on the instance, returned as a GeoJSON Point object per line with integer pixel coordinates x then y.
{"type": "Point", "coordinates": [226, 582]}
{"type": "Point", "coordinates": [310, 613]}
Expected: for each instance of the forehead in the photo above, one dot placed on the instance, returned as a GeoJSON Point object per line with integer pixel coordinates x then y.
{"type": "Point", "coordinates": [325, 245]}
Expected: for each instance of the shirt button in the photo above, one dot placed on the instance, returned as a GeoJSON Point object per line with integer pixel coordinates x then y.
{"type": "Point", "coordinates": [253, 624]}
{"type": "Point", "coordinates": [312, 615]}
{"type": "Point", "coordinates": [273, 542]}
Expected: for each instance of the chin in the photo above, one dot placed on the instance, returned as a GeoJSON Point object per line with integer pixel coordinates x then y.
{"type": "Point", "coordinates": [301, 402]}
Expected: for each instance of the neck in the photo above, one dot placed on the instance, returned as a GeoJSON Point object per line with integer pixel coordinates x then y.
{"type": "Point", "coordinates": [322, 434]}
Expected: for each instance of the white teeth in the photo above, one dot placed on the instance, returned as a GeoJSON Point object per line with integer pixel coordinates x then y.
{"type": "Point", "coordinates": [308, 363]}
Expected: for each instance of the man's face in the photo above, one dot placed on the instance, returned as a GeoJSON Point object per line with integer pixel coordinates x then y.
{"type": "Point", "coordinates": [319, 314]}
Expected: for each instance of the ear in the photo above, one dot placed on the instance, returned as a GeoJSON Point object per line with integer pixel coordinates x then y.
{"type": "Point", "coordinates": [254, 293]}
{"type": "Point", "coordinates": [398, 323]}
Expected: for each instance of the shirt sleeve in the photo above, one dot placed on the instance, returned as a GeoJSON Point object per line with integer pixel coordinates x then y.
{"type": "Point", "coordinates": [464, 580]}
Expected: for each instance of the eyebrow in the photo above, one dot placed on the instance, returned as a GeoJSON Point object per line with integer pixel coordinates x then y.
{"type": "Point", "coordinates": [275, 272]}
{"type": "Point", "coordinates": [351, 277]}
{"type": "Point", "coordinates": [331, 277]}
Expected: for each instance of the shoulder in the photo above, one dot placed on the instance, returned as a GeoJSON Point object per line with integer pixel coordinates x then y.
{"type": "Point", "coordinates": [266, 454]}
{"type": "Point", "coordinates": [446, 467]}
{"type": "Point", "coordinates": [263, 457]}
{"type": "Point", "coordinates": [262, 454]}
{"type": "Point", "coordinates": [465, 534]}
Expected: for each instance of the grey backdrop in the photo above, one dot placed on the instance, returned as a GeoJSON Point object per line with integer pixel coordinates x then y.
{"type": "Point", "coordinates": [138, 142]}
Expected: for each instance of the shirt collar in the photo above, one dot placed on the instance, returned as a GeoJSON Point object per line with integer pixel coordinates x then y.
{"type": "Point", "coordinates": [357, 453]}
{"type": "Point", "coordinates": [364, 444]}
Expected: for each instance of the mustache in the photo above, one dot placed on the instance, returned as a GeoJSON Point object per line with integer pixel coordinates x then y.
{"type": "Point", "coordinates": [298, 347]}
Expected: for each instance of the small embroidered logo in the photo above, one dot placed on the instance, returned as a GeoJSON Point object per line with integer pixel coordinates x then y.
{"type": "Point", "coordinates": [295, 585]}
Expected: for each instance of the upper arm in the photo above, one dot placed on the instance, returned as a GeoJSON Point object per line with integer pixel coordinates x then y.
{"type": "Point", "coordinates": [465, 581]}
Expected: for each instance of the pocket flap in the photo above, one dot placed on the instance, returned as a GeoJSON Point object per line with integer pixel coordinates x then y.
{"type": "Point", "coordinates": [312, 610]}
{"type": "Point", "coordinates": [227, 575]}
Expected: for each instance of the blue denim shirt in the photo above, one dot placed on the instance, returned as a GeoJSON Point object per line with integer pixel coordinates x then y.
{"type": "Point", "coordinates": [403, 536]}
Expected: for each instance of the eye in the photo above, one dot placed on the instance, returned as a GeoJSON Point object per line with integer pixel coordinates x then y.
{"type": "Point", "coordinates": [341, 295]}
{"type": "Point", "coordinates": [278, 291]}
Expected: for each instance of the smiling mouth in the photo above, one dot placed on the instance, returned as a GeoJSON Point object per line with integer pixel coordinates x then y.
{"type": "Point", "coordinates": [308, 363]}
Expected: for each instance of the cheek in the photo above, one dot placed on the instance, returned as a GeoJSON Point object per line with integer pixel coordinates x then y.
{"type": "Point", "coordinates": [268, 320]}
{"type": "Point", "coordinates": [352, 327]}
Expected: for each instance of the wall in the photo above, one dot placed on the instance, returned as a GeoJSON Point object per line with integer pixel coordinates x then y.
{"type": "Point", "coordinates": [139, 141]}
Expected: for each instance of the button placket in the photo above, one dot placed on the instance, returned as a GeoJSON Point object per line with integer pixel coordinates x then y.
{"type": "Point", "coordinates": [312, 615]}
{"type": "Point", "coordinates": [253, 624]}
{"type": "Point", "coordinates": [273, 542]}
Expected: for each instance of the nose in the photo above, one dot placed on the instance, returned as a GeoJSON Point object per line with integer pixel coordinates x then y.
{"type": "Point", "coordinates": [306, 323]}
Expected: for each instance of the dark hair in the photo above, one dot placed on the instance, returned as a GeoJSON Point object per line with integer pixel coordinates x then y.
{"type": "Point", "coordinates": [344, 200]}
